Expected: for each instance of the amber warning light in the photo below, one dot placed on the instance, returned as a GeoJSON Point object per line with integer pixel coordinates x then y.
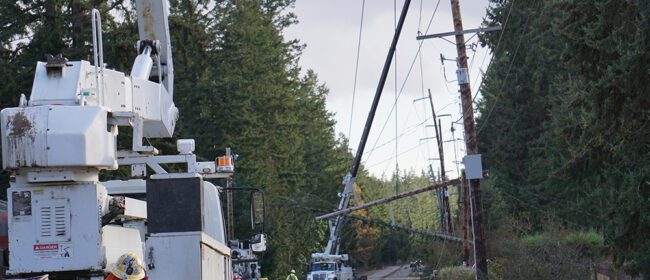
{"type": "Point", "coordinates": [224, 164]}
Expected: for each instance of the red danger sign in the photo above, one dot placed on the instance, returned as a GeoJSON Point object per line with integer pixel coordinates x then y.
{"type": "Point", "coordinates": [46, 247]}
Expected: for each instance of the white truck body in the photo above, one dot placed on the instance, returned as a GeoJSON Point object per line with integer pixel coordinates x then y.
{"type": "Point", "coordinates": [329, 267]}
{"type": "Point", "coordinates": [66, 223]}
{"type": "Point", "coordinates": [191, 255]}
{"type": "Point", "coordinates": [330, 271]}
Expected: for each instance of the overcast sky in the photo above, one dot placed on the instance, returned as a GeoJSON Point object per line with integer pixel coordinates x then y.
{"type": "Point", "coordinates": [330, 28]}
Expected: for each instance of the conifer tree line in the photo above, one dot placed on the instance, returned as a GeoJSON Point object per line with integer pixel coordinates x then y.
{"type": "Point", "coordinates": [564, 121]}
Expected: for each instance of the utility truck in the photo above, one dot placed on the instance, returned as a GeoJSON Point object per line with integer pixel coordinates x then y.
{"type": "Point", "coordinates": [64, 222]}
{"type": "Point", "coordinates": [246, 253]}
{"type": "Point", "coordinates": [245, 257]}
{"type": "Point", "coordinates": [329, 267]}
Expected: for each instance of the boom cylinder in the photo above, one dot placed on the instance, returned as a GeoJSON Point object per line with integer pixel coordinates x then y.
{"type": "Point", "coordinates": [142, 65]}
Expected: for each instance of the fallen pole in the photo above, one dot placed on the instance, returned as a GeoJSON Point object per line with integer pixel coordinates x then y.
{"type": "Point", "coordinates": [388, 199]}
{"type": "Point", "coordinates": [372, 221]}
{"type": "Point", "coordinates": [432, 234]}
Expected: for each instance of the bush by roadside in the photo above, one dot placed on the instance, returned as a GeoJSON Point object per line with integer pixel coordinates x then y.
{"type": "Point", "coordinates": [555, 253]}
{"type": "Point", "coordinates": [456, 273]}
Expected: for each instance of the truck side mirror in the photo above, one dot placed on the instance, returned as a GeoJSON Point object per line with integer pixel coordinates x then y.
{"type": "Point", "coordinates": [257, 209]}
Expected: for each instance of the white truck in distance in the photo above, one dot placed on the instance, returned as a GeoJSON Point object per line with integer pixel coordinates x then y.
{"type": "Point", "coordinates": [329, 267]}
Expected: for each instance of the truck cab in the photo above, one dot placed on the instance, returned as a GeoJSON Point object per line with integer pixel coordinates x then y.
{"type": "Point", "coordinates": [330, 267]}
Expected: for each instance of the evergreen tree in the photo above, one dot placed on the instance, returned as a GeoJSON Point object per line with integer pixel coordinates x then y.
{"type": "Point", "coordinates": [276, 121]}
{"type": "Point", "coordinates": [565, 129]}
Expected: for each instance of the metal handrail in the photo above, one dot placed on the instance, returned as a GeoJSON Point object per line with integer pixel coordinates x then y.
{"type": "Point", "coordinates": [98, 53]}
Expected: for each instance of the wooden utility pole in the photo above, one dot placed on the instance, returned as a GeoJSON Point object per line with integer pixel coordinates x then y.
{"type": "Point", "coordinates": [441, 206]}
{"type": "Point", "coordinates": [470, 142]}
{"type": "Point", "coordinates": [464, 217]}
{"type": "Point", "coordinates": [231, 216]}
{"type": "Point", "coordinates": [438, 139]}
{"type": "Point", "coordinates": [480, 253]}
{"type": "Point", "coordinates": [443, 193]}
{"type": "Point", "coordinates": [229, 205]}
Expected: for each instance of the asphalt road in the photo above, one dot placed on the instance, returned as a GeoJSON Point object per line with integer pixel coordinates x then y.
{"type": "Point", "coordinates": [392, 273]}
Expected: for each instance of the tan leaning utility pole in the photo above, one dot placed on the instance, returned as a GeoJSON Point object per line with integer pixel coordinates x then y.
{"type": "Point", "coordinates": [443, 193]}
{"type": "Point", "coordinates": [470, 142]}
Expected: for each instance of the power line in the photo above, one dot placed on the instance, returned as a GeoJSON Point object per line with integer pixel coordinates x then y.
{"type": "Point", "coordinates": [404, 123]}
{"type": "Point", "coordinates": [404, 152]}
{"type": "Point", "coordinates": [426, 135]}
{"type": "Point", "coordinates": [480, 75]}
{"type": "Point", "coordinates": [540, 209]}
{"type": "Point", "coordinates": [380, 87]}
{"type": "Point", "coordinates": [503, 84]}
{"type": "Point", "coordinates": [396, 99]}
{"type": "Point", "coordinates": [496, 49]}
{"type": "Point", "coordinates": [471, 61]}
{"type": "Point", "coordinates": [408, 74]}
{"type": "Point", "coordinates": [440, 257]}
{"type": "Point", "coordinates": [396, 174]}
{"type": "Point", "coordinates": [356, 69]}
{"type": "Point", "coordinates": [387, 164]}
{"type": "Point", "coordinates": [420, 15]}
{"type": "Point", "coordinates": [405, 132]}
